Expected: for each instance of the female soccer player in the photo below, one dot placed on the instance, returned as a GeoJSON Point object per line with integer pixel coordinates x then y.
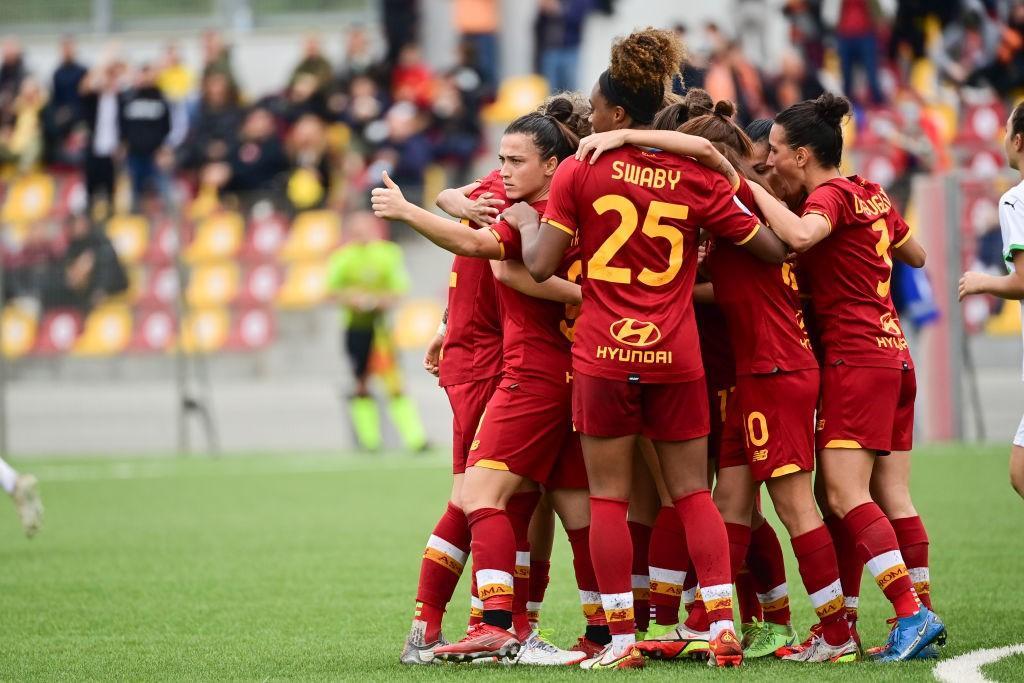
{"type": "Point", "coordinates": [847, 234]}
{"type": "Point", "coordinates": [637, 370]}
{"type": "Point", "coordinates": [525, 437]}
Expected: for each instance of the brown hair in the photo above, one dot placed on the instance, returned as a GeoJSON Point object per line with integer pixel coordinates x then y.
{"type": "Point", "coordinates": [719, 127]}
{"type": "Point", "coordinates": [645, 56]}
{"type": "Point", "coordinates": [696, 102]}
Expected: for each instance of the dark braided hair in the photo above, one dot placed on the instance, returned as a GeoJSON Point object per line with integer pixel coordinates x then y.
{"type": "Point", "coordinates": [550, 129]}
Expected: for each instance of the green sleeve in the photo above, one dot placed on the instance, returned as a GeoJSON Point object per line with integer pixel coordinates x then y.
{"type": "Point", "coordinates": [337, 266]}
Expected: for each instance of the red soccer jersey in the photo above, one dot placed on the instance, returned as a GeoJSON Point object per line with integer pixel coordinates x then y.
{"type": "Point", "coordinates": [849, 273]}
{"type": "Point", "coordinates": [472, 345]}
{"type": "Point", "coordinates": [538, 333]}
{"type": "Point", "coordinates": [637, 214]}
{"type": "Point", "coordinates": [761, 302]}
{"type": "Point", "coordinates": [715, 346]}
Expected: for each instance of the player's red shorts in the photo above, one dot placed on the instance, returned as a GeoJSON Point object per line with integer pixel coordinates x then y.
{"type": "Point", "coordinates": [865, 407]}
{"type": "Point", "coordinates": [521, 432]}
{"type": "Point", "coordinates": [776, 414]}
{"type": "Point", "coordinates": [569, 472]}
{"type": "Point", "coordinates": [661, 412]}
{"type": "Point", "coordinates": [468, 401]}
{"type": "Point", "coordinates": [719, 401]}
{"type": "Point", "coordinates": [731, 449]}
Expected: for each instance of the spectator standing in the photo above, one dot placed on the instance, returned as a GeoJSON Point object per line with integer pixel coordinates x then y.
{"type": "Point", "coordinates": [217, 56]}
{"type": "Point", "coordinates": [101, 102]}
{"type": "Point", "coordinates": [66, 110]}
{"type": "Point", "coordinates": [12, 71]}
{"type": "Point", "coordinates": [806, 30]}
{"type": "Point", "coordinates": [968, 48]}
{"type": "Point", "coordinates": [359, 59]}
{"type": "Point", "coordinates": [477, 21]}
{"type": "Point", "coordinates": [21, 138]}
{"type": "Point", "coordinates": [145, 123]}
{"type": "Point", "coordinates": [213, 131]}
{"type": "Point", "coordinates": [177, 83]}
{"type": "Point", "coordinates": [558, 32]}
{"type": "Point", "coordinates": [313, 63]}
{"type": "Point", "coordinates": [400, 18]}
{"type": "Point", "coordinates": [258, 160]}
{"type": "Point", "coordinates": [856, 25]}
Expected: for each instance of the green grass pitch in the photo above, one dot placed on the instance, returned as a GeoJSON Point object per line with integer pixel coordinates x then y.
{"type": "Point", "coordinates": [304, 567]}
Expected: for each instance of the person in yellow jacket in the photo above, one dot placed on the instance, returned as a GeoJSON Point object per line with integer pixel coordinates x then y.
{"type": "Point", "coordinates": [367, 276]}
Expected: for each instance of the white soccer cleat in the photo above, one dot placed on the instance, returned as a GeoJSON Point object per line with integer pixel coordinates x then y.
{"type": "Point", "coordinates": [417, 650]}
{"type": "Point", "coordinates": [820, 651]}
{"type": "Point", "coordinates": [28, 504]}
{"type": "Point", "coordinates": [537, 651]}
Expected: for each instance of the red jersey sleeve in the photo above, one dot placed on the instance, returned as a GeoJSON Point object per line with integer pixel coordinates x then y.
{"type": "Point", "coordinates": [509, 240]}
{"type": "Point", "coordinates": [827, 201]}
{"type": "Point", "coordinates": [901, 229]}
{"type": "Point", "coordinates": [561, 209]}
{"type": "Point", "coordinates": [725, 215]}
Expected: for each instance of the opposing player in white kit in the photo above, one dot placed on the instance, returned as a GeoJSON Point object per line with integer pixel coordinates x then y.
{"type": "Point", "coordinates": [1011, 286]}
{"type": "Point", "coordinates": [24, 491]}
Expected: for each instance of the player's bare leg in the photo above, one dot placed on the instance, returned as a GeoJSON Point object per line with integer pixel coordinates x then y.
{"type": "Point", "coordinates": [24, 491]}
{"type": "Point", "coordinates": [1017, 469]}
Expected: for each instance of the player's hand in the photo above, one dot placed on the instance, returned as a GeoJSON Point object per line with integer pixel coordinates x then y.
{"type": "Point", "coordinates": [432, 358]}
{"type": "Point", "coordinates": [598, 143]}
{"type": "Point", "coordinates": [519, 214]}
{"type": "Point", "coordinates": [971, 283]}
{"type": "Point", "coordinates": [484, 209]}
{"type": "Point", "coordinates": [388, 201]}
{"type": "Point", "coordinates": [702, 252]}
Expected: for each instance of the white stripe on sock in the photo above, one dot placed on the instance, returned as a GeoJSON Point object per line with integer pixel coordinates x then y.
{"type": "Point", "coordinates": [826, 594]}
{"type": "Point", "coordinates": [476, 602]}
{"type": "Point", "coordinates": [534, 606]}
{"type": "Point", "coordinates": [667, 576]}
{"type": "Point", "coordinates": [522, 558]}
{"type": "Point", "coordinates": [590, 598]}
{"type": "Point", "coordinates": [851, 602]}
{"type": "Point", "coordinates": [919, 574]}
{"type": "Point", "coordinates": [880, 563]}
{"type": "Point", "coordinates": [689, 595]}
{"type": "Point", "coordinates": [716, 592]}
{"type": "Point", "coordinates": [774, 594]}
{"type": "Point", "coordinates": [641, 581]}
{"type": "Point", "coordinates": [616, 601]}
{"type": "Point", "coordinates": [454, 552]}
{"type": "Point", "coordinates": [487, 577]}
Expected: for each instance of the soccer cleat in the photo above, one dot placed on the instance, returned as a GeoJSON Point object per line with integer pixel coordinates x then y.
{"type": "Point", "coordinates": [641, 635]}
{"type": "Point", "coordinates": [28, 504]}
{"type": "Point", "coordinates": [677, 643]}
{"type": "Point", "coordinates": [929, 651]}
{"type": "Point", "coordinates": [660, 631]}
{"type": "Point", "coordinates": [537, 651]}
{"type": "Point", "coordinates": [763, 638]}
{"type": "Point", "coordinates": [912, 634]}
{"type": "Point", "coordinates": [814, 633]}
{"type": "Point", "coordinates": [417, 651]}
{"type": "Point", "coordinates": [725, 650]}
{"type": "Point", "coordinates": [821, 651]}
{"type": "Point", "coordinates": [483, 641]}
{"type": "Point", "coordinates": [587, 647]}
{"type": "Point", "coordinates": [875, 652]}
{"type": "Point", "coordinates": [607, 659]}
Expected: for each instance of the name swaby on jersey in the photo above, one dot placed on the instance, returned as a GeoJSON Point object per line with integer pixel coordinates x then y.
{"type": "Point", "coordinates": [645, 176]}
{"type": "Point", "coordinates": [636, 334]}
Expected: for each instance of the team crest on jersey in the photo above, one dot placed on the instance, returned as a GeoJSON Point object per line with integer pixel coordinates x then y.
{"type": "Point", "coordinates": [633, 332]}
{"type": "Point", "coordinates": [890, 324]}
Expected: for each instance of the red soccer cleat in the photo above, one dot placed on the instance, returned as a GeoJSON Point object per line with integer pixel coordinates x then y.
{"type": "Point", "coordinates": [725, 650]}
{"type": "Point", "coordinates": [587, 647]}
{"type": "Point", "coordinates": [482, 641]}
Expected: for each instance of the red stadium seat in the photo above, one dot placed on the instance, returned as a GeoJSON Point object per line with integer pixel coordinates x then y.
{"type": "Point", "coordinates": [981, 123]}
{"type": "Point", "coordinates": [876, 123]}
{"type": "Point", "coordinates": [251, 329]}
{"type": "Point", "coordinates": [57, 332]}
{"type": "Point", "coordinates": [161, 286]}
{"type": "Point", "coordinates": [154, 331]}
{"type": "Point", "coordinates": [261, 284]}
{"type": "Point", "coordinates": [882, 164]}
{"type": "Point", "coordinates": [164, 242]}
{"type": "Point", "coordinates": [984, 162]}
{"type": "Point", "coordinates": [265, 237]}
{"type": "Point", "coordinates": [71, 196]}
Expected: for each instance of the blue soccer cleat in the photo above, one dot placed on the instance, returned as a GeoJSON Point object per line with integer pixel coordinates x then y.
{"type": "Point", "coordinates": [910, 635]}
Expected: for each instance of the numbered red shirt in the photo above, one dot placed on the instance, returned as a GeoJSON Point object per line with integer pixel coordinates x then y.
{"type": "Point", "coordinates": [761, 302]}
{"type": "Point", "coordinates": [637, 214]}
{"type": "Point", "coordinates": [472, 344]}
{"type": "Point", "coordinates": [850, 274]}
{"type": "Point", "coordinates": [538, 333]}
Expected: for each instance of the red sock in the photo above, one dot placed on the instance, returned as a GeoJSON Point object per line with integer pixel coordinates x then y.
{"type": "Point", "coordinates": [520, 511]}
{"type": "Point", "coordinates": [612, 552]}
{"type": "Point", "coordinates": [586, 581]}
{"type": "Point", "coordinates": [708, 544]}
{"type": "Point", "coordinates": [696, 614]}
{"type": "Point", "coordinates": [818, 568]}
{"type": "Point", "coordinates": [540, 576]}
{"type": "Point", "coordinates": [913, 540]}
{"type": "Point", "coordinates": [739, 542]}
{"type": "Point", "coordinates": [879, 550]}
{"type": "Point", "coordinates": [443, 561]}
{"type": "Point", "coordinates": [476, 605]}
{"type": "Point", "coordinates": [640, 535]}
{"type": "Point", "coordinates": [494, 559]}
{"type": "Point", "coordinates": [768, 570]}
{"type": "Point", "coordinates": [746, 596]}
{"type": "Point", "coordinates": [667, 560]}
{"type": "Point", "coordinates": [851, 566]}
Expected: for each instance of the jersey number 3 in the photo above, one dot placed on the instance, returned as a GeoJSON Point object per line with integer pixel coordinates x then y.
{"type": "Point", "coordinates": [629, 218]}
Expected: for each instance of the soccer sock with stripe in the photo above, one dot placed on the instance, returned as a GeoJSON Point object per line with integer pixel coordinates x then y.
{"type": "Point", "coordinates": [851, 566]}
{"type": "Point", "coordinates": [696, 615]}
{"type": "Point", "coordinates": [913, 540]}
{"type": "Point", "coordinates": [443, 561]}
{"type": "Point", "coordinates": [494, 557]}
{"type": "Point", "coordinates": [586, 582]}
{"type": "Point", "coordinates": [640, 535]}
{"type": "Point", "coordinates": [817, 560]}
{"type": "Point", "coordinates": [707, 544]}
{"type": "Point", "coordinates": [768, 571]}
{"type": "Point", "coordinates": [612, 552]}
{"type": "Point", "coordinates": [667, 562]}
{"type": "Point", "coordinates": [879, 550]}
{"type": "Point", "coordinates": [476, 605]}
{"type": "Point", "coordinates": [540, 576]}
{"type": "Point", "coordinates": [520, 511]}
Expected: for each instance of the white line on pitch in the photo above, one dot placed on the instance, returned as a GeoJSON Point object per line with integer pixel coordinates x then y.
{"type": "Point", "coordinates": [966, 668]}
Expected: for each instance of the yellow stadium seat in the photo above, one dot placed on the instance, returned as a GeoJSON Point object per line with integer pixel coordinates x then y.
{"type": "Point", "coordinates": [218, 237]}
{"type": "Point", "coordinates": [214, 284]}
{"type": "Point", "coordinates": [944, 117]}
{"type": "Point", "coordinates": [924, 79]}
{"type": "Point", "coordinates": [205, 330]}
{"type": "Point", "coordinates": [1006, 323]}
{"type": "Point", "coordinates": [130, 235]}
{"type": "Point", "coordinates": [107, 331]}
{"type": "Point", "coordinates": [313, 235]}
{"type": "Point", "coordinates": [19, 331]}
{"type": "Point", "coordinates": [305, 285]}
{"type": "Point", "coordinates": [517, 95]}
{"type": "Point", "coordinates": [29, 198]}
{"type": "Point", "coordinates": [416, 323]}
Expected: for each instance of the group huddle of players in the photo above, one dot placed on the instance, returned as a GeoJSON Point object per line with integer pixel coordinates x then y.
{"type": "Point", "coordinates": [646, 299]}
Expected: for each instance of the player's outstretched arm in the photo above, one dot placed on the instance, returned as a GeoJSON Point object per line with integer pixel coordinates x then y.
{"type": "Point", "coordinates": [514, 274]}
{"type": "Point", "coordinates": [911, 252]}
{"type": "Point", "coordinates": [1005, 287]}
{"type": "Point", "coordinates": [799, 232]}
{"type": "Point", "coordinates": [669, 140]}
{"type": "Point", "coordinates": [389, 202]}
{"type": "Point", "coordinates": [483, 210]}
{"type": "Point", "coordinates": [543, 245]}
